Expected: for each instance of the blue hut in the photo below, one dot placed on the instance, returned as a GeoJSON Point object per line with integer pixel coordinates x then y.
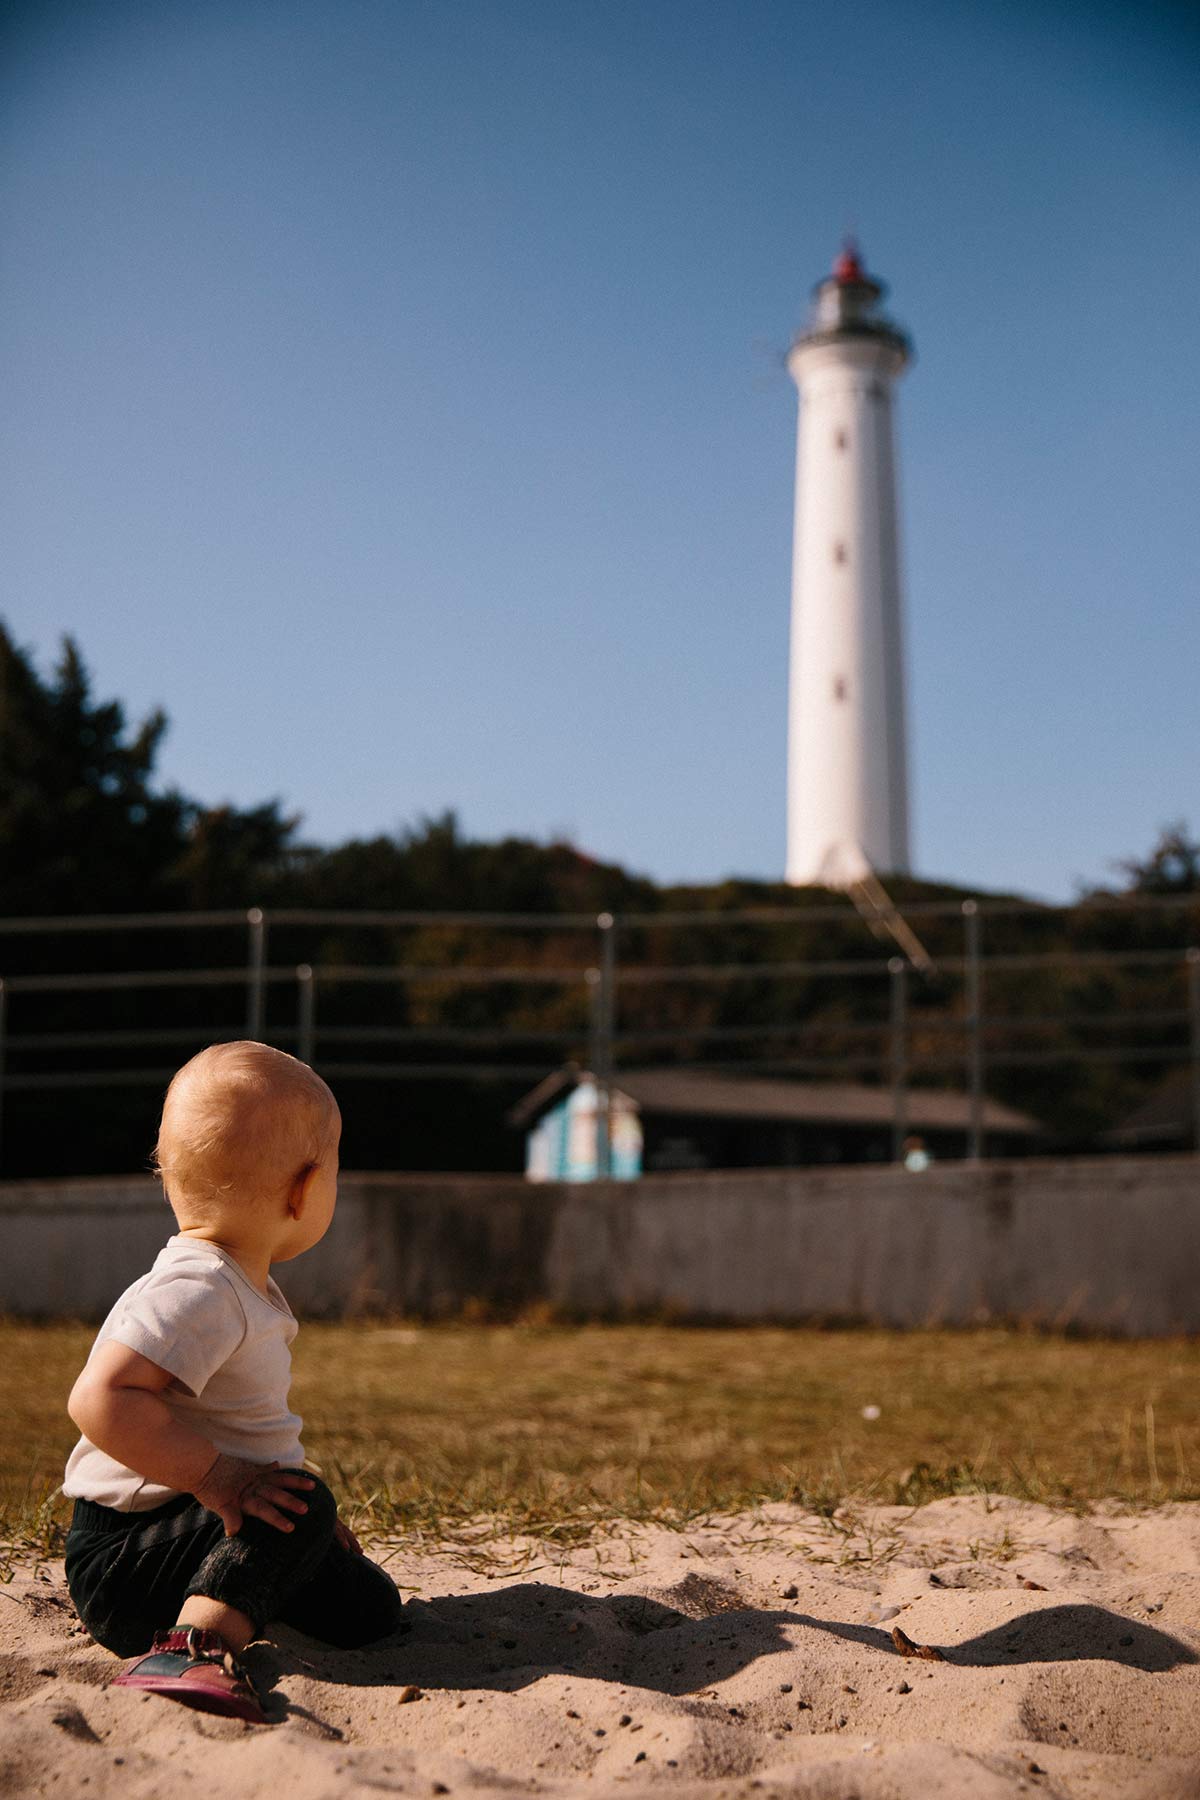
{"type": "Point", "coordinates": [562, 1145]}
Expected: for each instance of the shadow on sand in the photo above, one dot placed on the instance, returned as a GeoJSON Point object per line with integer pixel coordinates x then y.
{"type": "Point", "coordinates": [507, 1639]}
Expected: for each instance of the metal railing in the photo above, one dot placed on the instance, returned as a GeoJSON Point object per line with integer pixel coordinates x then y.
{"type": "Point", "coordinates": [600, 979]}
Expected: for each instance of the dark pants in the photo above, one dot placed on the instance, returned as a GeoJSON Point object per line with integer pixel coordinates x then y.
{"type": "Point", "coordinates": [130, 1573]}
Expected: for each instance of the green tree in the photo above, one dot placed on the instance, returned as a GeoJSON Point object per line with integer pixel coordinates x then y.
{"type": "Point", "coordinates": [1172, 867]}
{"type": "Point", "coordinates": [233, 857]}
{"type": "Point", "coordinates": [81, 828]}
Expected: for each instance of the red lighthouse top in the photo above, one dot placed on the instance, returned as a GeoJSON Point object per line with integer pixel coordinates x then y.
{"type": "Point", "coordinates": [847, 305]}
{"type": "Point", "coordinates": [848, 266]}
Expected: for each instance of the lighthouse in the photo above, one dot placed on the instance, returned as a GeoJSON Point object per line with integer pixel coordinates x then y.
{"type": "Point", "coordinates": [847, 759]}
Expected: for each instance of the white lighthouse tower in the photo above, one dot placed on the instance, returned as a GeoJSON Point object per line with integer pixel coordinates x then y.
{"type": "Point", "coordinates": [847, 764]}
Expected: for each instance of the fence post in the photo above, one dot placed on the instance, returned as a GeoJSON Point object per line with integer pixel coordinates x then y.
{"type": "Point", "coordinates": [970, 910]}
{"type": "Point", "coordinates": [898, 971]}
{"type": "Point", "coordinates": [602, 1042]}
{"type": "Point", "coordinates": [306, 1013]}
{"type": "Point", "coordinates": [1193, 970]}
{"type": "Point", "coordinates": [3, 1012]}
{"type": "Point", "coordinates": [591, 979]}
{"type": "Point", "coordinates": [256, 962]}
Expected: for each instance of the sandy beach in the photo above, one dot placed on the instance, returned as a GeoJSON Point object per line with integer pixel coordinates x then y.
{"type": "Point", "coordinates": [765, 1654]}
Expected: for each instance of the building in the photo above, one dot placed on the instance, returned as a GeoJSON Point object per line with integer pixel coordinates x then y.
{"type": "Point", "coordinates": [686, 1119]}
{"type": "Point", "coordinates": [562, 1140]}
{"type": "Point", "coordinates": [847, 756]}
{"type": "Point", "coordinates": [1167, 1119]}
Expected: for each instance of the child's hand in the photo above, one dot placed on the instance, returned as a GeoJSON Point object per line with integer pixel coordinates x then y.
{"type": "Point", "coordinates": [343, 1535]}
{"type": "Point", "coordinates": [234, 1489]}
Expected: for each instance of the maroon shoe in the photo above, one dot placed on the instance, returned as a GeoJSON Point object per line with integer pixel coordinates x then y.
{"type": "Point", "coordinates": [197, 1668]}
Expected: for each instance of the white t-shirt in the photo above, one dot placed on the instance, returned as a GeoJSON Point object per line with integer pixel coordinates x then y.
{"type": "Point", "coordinates": [198, 1315]}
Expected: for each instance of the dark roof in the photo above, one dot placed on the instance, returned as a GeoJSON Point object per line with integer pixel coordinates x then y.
{"type": "Point", "coordinates": [689, 1091]}
{"type": "Point", "coordinates": [1163, 1116]}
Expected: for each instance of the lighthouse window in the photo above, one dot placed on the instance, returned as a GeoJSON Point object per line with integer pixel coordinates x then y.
{"type": "Point", "coordinates": [841, 440]}
{"type": "Point", "coordinates": [840, 689]}
{"type": "Point", "coordinates": [839, 552]}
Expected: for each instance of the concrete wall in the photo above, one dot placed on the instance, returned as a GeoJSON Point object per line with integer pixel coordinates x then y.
{"type": "Point", "coordinates": [1109, 1244]}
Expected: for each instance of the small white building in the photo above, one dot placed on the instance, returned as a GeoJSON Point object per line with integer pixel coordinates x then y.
{"type": "Point", "coordinates": [563, 1142]}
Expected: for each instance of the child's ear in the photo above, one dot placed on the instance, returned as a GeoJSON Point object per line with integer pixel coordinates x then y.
{"type": "Point", "coordinates": [298, 1192]}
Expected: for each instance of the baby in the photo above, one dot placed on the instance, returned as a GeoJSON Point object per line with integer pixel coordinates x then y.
{"type": "Point", "coordinates": [193, 1508]}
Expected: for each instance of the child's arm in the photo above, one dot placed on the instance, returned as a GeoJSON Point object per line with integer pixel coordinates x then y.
{"type": "Point", "coordinates": [117, 1404]}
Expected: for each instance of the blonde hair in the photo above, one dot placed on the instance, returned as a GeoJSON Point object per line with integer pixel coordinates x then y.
{"type": "Point", "coordinates": [242, 1117]}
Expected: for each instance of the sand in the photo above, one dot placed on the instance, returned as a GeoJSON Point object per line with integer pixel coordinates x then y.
{"type": "Point", "coordinates": [744, 1657]}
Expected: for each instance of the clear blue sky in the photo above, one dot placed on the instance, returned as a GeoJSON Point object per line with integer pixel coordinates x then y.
{"type": "Point", "coordinates": [392, 392]}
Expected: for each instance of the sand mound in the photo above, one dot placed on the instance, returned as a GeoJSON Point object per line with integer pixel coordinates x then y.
{"type": "Point", "coordinates": [747, 1657]}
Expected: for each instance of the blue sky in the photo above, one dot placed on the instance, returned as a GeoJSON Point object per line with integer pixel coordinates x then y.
{"type": "Point", "coordinates": [393, 393]}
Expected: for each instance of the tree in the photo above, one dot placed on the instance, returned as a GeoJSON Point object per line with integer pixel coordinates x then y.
{"type": "Point", "coordinates": [1172, 867]}
{"type": "Point", "coordinates": [81, 828]}
{"type": "Point", "coordinates": [233, 858]}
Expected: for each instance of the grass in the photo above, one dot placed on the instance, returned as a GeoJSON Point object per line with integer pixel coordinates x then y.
{"type": "Point", "coordinates": [550, 1429]}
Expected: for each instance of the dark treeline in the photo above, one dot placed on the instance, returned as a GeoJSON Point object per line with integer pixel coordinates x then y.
{"type": "Point", "coordinates": [86, 828]}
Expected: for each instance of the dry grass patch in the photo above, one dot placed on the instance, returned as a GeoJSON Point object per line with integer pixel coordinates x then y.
{"type": "Point", "coordinates": [550, 1429]}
